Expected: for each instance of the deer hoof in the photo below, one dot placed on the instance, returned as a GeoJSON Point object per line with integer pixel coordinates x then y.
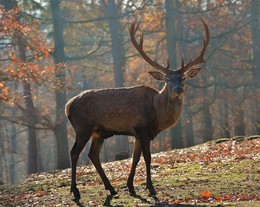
{"type": "Point", "coordinates": [113, 192]}
{"type": "Point", "coordinates": [152, 192]}
{"type": "Point", "coordinates": [76, 193]}
{"type": "Point", "coordinates": [132, 193]}
{"type": "Point", "coordinates": [131, 189]}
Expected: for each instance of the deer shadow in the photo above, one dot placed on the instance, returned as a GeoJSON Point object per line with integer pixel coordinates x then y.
{"type": "Point", "coordinates": [106, 203]}
{"type": "Point", "coordinates": [108, 200]}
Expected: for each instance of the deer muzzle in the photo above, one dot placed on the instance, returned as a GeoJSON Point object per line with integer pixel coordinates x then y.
{"type": "Point", "coordinates": [179, 90]}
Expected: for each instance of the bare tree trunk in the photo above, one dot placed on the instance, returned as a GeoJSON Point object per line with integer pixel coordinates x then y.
{"type": "Point", "coordinates": [118, 52]}
{"type": "Point", "coordinates": [2, 154]}
{"type": "Point", "coordinates": [12, 147]}
{"type": "Point", "coordinates": [60, 128]}
{"type": "Point", "coordinates": [207, 132]}
{"type": "Point", "coordinates": [226, 124]}
{"type": "Point", "coordinates": [189, 125]}
{"type": "Point", "coordinates": [170, 15]}
{"type": "Point", "coordinates": [220, 118]}
{"type": "Point", "coordinates": [255, 38]}
{"type": "Point", "coordinates": [239, 121]}
{"type": "Point", "coordinates": [29, 113]}
{"type": "Point", "coordinates": [256, 54]}
{"type": "Point", "coordinates": [118, 55]}
{"type": "Point", "coordinates": [30, 117]}
{"type": "Point", "coordinates": [32, 148]}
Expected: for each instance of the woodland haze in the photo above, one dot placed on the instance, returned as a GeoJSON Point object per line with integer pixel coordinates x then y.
{"type": "Point", "coordinates": [52, 50]}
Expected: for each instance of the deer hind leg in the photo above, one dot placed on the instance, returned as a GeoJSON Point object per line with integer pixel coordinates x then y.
{"type": "Point", "coordinates": [93, 155]}
{"type": "Point", "coordinates": [145, 144]}
{"type": "Point", "coordinates": [81, 140]}
{"type": "Point", "coordinates": [136, 157]}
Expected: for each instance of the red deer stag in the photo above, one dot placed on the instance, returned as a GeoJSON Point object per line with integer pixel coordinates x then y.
{"type": "Point", "coordinates": [140, 111]}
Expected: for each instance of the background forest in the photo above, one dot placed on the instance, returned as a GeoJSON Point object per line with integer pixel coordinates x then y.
{"type": "Point", "coordinates": [51, 50]}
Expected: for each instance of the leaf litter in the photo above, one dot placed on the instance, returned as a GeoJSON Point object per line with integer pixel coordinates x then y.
{"type": "Point", "coordinates": [222, 172]}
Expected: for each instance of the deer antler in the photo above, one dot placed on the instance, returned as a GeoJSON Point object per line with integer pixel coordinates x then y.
{"type": "Point", "coordinates": [132, 31]}
{"type": "Point", "coordinates": [199, 59]}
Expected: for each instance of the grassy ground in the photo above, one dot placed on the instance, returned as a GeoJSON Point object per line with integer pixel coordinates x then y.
{"type": "Point", "coordinates": [220, 173]}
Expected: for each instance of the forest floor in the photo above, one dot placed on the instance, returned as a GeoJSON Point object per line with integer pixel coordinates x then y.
{"type": "Point", "coordinates": [225, 172]}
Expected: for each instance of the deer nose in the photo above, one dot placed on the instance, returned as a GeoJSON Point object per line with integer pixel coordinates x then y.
{"type": "Point", "coordinates": [179, 90]}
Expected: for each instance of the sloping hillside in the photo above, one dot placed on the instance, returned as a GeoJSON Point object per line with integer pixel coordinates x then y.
{"type": "Point", "coordinates": [224, 172]}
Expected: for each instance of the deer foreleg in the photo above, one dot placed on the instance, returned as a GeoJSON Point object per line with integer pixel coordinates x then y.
{"type": "Point", "coordinates": [94, 153]}
{"type": "Point", "coordinates": [145, 144]}
{"type": "Point", "coordinates": [74, 154]}
{"type": "Point", "coordinates": [136, 157]}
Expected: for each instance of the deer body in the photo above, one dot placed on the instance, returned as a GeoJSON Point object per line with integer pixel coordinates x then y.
{"type": "Point", "coordinates": [123, 111]}
{"type": "Point", "coordinates": [140, 111]}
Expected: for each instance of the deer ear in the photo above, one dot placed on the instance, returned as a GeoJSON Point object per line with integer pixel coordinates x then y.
{"type": "Point", "coordinates": [157, 75]}
{"type": "Point", "coordinates": [191, 73]}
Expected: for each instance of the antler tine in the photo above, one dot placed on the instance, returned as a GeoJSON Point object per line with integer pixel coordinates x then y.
{"type": "Point", "coordinates": [137, 26]}
{"type": "Point", "coordinates": [199, 58]}
{"type": "Point", "coordinates": [168, 65]}
{"type": "Point", "coordinates": [132, 31]}
{"type": "Point", "coordinates": [182, 64]}
{"type": "Point", "coordinates": [141, 41]}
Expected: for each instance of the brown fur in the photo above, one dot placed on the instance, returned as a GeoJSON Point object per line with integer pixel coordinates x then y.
{"type": "Point", "coordinates": [122, 110]}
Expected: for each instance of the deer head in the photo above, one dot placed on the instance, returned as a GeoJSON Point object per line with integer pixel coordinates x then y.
{"type": "Point", "coordinates": [173, 78]}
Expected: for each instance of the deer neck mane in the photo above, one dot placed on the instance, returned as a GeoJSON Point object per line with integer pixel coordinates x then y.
{"type": "Point", "coordinates": [168, 110]}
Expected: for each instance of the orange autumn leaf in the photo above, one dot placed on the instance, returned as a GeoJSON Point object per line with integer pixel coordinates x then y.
{"type": "Point", "coordinates": [206, 193]}
{"type": "Point", "coordinates": [177, 201]}
{"type": "Point", "coordinates": [229, 197]}
{"type": "Point", "coordinates": [137, 181]}
{"type": "Point", "coordinates": [115, 181]}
